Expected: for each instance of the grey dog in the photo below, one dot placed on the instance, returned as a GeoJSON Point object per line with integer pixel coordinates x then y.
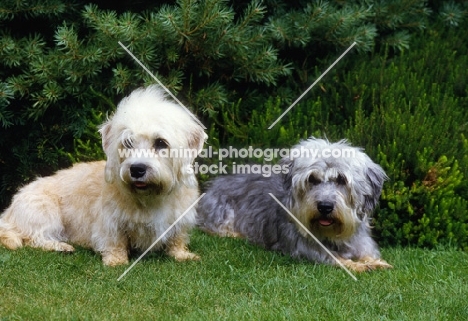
{"type": "Point", "coordinates": [331, 189]}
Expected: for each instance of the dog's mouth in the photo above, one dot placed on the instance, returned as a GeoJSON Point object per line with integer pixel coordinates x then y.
{"type": "Point", "coordinates": [140, 185]}
{"type": "Point", "coordinates": [143, 187]}
{"type": "Point", "coordinates": [322, 221]}
{"type": "Point", "coordinates": [326, 221]}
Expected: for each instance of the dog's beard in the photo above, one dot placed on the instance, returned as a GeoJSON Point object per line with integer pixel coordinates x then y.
{"type": "Point", "coordinates": [339, 224]}
{"type": "Point", "coordinates": [156, 180]}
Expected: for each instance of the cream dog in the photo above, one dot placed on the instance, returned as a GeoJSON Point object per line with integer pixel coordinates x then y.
{"type": "Point", "coordinates": [124, 203]}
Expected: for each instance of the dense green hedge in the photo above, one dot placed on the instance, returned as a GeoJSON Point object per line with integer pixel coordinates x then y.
{"type": "Point", "coordinates": [401, 93]}
{"type": "Point", "coordinates": [414, 120]}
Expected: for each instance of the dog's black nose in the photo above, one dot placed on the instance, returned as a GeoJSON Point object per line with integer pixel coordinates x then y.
{"type": "Point", "coordinates": [325, 207]}
{"type": "Point", "coordinates": [137, 170]}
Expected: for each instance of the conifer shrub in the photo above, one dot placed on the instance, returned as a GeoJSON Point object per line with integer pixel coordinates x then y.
{"type": "Point", "coordinates": [60, 80]}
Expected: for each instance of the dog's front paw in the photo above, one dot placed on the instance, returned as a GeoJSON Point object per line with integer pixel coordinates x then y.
{"type": "Point", "coordinates": [378, 264]}
{"type": "Point", "coordinates": [365, 264]}
{"type": "Point", "coordinates": [177, 248]}
{"type": "Point", "coordinates": [183, 255]}
{"type": "Point", "coordinates": [115, 257]}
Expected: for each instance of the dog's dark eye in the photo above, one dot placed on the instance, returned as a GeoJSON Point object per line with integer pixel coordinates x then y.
{"type": "Point", "coordinates": [160, 143]}
{"type": "Point", "coordinates": [313, 180]}
{"type": "Point", "coordinates": [127, 143]}
{"type": "Point", "coordinates": [341, 180]}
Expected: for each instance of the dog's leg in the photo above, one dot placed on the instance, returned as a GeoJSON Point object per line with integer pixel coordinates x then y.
{"type": "Point", "coordinates": [9, 237]}
{"type": "Point", "coordinates": [290, 242]}
{"type": "Point", "coordinates": [112, 244]}
{"type": "Point", "coordinates": [50, 245]}
{"type": "Point", "coordinates": [177, 248]}
{"type": "Point", "coordinates": [364, 252]}
{"type": "Point", "coordinates": [115, 256]}
{"type": "Point", "coordinates": [34, 218]}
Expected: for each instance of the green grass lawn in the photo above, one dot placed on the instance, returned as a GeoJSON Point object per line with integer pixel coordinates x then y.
{"type": "Point", "coordinates": [233, 281]}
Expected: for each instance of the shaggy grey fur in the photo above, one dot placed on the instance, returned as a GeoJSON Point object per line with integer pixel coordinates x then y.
{"type": "Point", "coordinates": [333, 197]}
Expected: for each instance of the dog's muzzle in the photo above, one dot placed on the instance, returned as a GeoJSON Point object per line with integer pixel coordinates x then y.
{"type": "Point", "coordinates": [325, 208]}
{"type": "Point", "coordinates": [138, 171]}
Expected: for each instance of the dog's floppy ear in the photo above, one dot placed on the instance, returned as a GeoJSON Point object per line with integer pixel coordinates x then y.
{"type": "Point", "coordinates": [107, 140]}
{"type": "Point", "coordinates": [375, 177]}
{"type": "Point", "coordinates": [195, 141]}
{"type": "Point", "coordinates": [104, 130]}
{"type": "Point", "coordinates": [288, 164]}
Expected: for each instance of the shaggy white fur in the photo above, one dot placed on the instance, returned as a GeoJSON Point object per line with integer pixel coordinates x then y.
{"type": "Point", "coordinates": [125, 202]}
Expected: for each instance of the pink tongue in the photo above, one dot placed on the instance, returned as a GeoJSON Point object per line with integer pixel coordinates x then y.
{"type": "Point", "coordinates": [140, 184]}
{"type": "Point", "coordinates": [325, 222]}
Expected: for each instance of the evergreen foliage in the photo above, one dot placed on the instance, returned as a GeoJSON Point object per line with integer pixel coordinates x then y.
{"type": "Point", "coordinates": [417, 128]}
{"type": "Point", "coordinates": [238, 64]}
